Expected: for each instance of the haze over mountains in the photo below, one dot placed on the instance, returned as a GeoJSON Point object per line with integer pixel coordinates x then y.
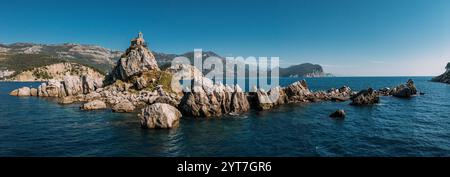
{"type": "Point", "coordinates": [18, 57]}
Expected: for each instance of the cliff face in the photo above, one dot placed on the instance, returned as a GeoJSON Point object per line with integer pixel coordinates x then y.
{"type": "Point", "coordinates": [444, 78]}
{"type": "Point", "coordinates": [57, 72]}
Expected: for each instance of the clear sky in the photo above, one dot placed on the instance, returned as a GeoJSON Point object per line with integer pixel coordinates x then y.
{"type": "Point", "coordinates": [347, 37]}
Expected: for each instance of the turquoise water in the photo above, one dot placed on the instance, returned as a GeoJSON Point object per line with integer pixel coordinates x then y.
{"type": "Point", "coordinates": [419, 126]}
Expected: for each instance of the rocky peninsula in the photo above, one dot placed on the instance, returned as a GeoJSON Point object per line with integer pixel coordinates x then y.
{"type": "Point", "coordinates": [444, 78]}
{"type": "Point", "coordinates": [137, 84]}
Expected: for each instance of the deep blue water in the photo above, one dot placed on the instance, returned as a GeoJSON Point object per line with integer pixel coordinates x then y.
{"type": "Point", "coordinates": [419, 126]}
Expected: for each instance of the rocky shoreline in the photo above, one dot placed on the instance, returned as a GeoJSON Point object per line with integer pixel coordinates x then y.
{"type": "Point", "coordinates": [137, 84]}
{"type": "Point", "coordinates": [445, 77]}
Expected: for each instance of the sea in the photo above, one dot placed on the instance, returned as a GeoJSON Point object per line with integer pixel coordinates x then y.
{"type": "Point", "coordinates": [419, 126]}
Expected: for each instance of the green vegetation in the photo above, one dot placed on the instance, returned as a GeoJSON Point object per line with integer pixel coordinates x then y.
{"type": "Point", "coordinates": [163, 78]}
{"type": "Point", "coordinates": [28, 62]}
{"type": "Point", "coordinates": [165, 66]}
{"type": "Point", "coordinates": [40, 74]}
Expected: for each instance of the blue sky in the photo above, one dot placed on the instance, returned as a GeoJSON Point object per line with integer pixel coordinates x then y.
{"type": "Point", "coordinates": [347, 37]}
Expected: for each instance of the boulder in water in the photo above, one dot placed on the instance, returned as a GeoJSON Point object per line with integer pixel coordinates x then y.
{"type": "Point", "coordinates": [160, 115]}
{"type": "Point", "coordinates": [405, 91]}
{"type": "Point", "coordinates": [338, 114]}
{"type": "Point", "coordinates": [24, 91]}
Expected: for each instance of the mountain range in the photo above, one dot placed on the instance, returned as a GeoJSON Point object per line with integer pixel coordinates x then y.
{"type": "Point", "coordinates": [18, 57]}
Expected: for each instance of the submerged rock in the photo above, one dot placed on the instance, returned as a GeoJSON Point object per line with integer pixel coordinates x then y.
{"type": "Point", "coordinates": [93, 105]}
{"type": "Point", "coordinates": [338, 114]}
{"type": "Point", "coordinates": [160, 115]}
{"type": "Point", "coordinates": [365, 97]}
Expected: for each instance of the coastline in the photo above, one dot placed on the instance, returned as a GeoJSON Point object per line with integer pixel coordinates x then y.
{"type": "Point", "coordinates": [19, 81]}
{"type": "Point", "coordinates": [310, 120]}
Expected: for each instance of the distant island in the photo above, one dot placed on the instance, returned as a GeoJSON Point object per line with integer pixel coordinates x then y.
{"type": "Point", "coordinates": [40, 62]}
{"type": "Point", "coordinates": [304, 70]}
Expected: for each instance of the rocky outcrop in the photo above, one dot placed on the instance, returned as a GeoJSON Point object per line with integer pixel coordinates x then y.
{"type": "Point", "coordinates": [125, 106]}
{"type": "Point", "coordinates": [445, 77]}
{"type": "Point", "coordinates": [137, 82]}
{"type": "Point", "coordinates": [14, 92]}
{"type": "Point", "coordinates": [90, 84]}
{"type": "Point", "coordinates": [52, 88]}
{"type": "Point", "coordinates": [239, 101]}
{"type": "Point", "coordinates": [184, 72]}
{"type": "Point", "coordinates": [339, 95]}
{"type": "Point", "coordinates": [72, 85]}
{"type": "Point", "coordinates": [339, 114]}
{"type": "Point", "coordinates": [33, 92]}
{"type": "Point", "coordinates": [201, 104]}
{"type": "Point", "coordinates": [365, 97]}
{"type": "Point", "coordinates": [69, 86]}
{"type": "Point", "coordinates": [93, 105]}
{"type": "Point", "coordinates": [135, 60]}
{"type": "Point", "coordinates": [24, 91]}
{"type": "Point", "coordinates": [267, 100]}
{"type": "Point", "coordinates": [160, 115]}
{"type": "Point", "coordinates": [297, 92]}
{"type": "Point", "coordinates": [206, 99]}
{"type": "Point", "coordinates": [405, 91]}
